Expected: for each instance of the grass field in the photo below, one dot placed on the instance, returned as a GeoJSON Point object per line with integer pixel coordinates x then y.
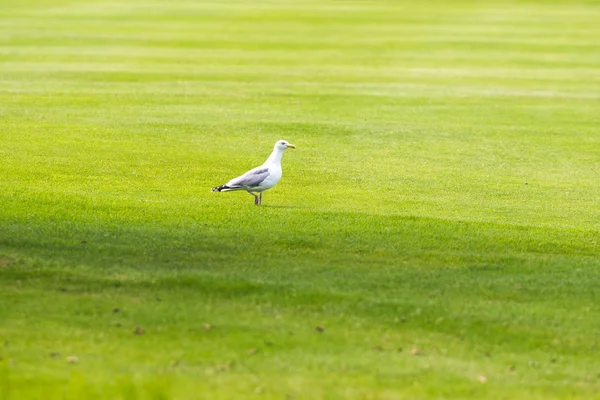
{"type": "Point", "coordinates": [436, 234]}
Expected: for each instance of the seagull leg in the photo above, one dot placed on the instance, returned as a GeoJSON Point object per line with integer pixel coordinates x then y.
{"type": "Point", "coordinates": [260, 199]}
{"type": "Point", "coordinates": [255, 198]}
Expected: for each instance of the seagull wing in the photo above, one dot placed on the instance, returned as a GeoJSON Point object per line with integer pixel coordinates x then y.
{"type": "Point", "coordinates": [250, 179]}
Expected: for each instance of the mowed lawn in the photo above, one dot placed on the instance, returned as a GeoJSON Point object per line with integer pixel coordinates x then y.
{"type": "Point", "coordinates": [436, 234]}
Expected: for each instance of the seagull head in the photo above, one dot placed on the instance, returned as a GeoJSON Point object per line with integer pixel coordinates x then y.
{"type": "Point", "coordinates": [282, 145]}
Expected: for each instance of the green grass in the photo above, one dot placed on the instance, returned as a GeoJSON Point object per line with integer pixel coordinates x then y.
{"type": "Point", "coordinates": [444, 197]}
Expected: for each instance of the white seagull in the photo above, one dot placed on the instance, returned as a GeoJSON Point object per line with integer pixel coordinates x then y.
{"type": "Point", "coordinates": [260, 178]}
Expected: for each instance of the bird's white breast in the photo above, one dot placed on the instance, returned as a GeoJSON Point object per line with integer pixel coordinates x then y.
{"type": "Point", "coordinates": [271, 180]}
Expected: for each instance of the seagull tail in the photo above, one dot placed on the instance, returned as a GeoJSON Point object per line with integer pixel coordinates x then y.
{"type": "Point", "coordinates": [223, 188]}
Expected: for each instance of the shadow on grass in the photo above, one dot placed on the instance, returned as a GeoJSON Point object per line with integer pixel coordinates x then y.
{"type": "Point", "coordinates": [270, 240]}
{"type": "Point", "coordinates": [480, 312]}
{"type": "Point", "coordinates": [480, 282]}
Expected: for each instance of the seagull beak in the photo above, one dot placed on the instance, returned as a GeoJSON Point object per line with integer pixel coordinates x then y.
{"type": "Point", "coordinates": [292, 146]}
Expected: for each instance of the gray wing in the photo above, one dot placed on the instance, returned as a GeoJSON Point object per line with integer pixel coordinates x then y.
{"type": "Point", "coordinates": [252, 178]}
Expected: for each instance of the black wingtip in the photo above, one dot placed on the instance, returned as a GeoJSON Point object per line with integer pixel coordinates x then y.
{"type": "Point", "coordinates": [220, 188]}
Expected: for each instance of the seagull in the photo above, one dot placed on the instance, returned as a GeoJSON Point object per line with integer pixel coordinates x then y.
{"type": "Point", "coordinates": [260, 178]}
